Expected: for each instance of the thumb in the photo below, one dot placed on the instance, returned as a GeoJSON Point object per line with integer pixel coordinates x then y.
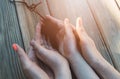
{"type": "Point", "coordinates": [37, 46]}
{"type": "Point", "coordinates": [25, 61]}
{"type": "Point", "coordinates": [80, 29]}
{"type": "Point", "coordinates": [40, 50]}
{"type": "Point", "coordinates": [67, 27]}
{"type": "Point", "coordinates": [32, 71]}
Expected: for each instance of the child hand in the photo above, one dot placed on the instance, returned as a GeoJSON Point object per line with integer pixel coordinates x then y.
{"type": "Point", "coordinates": [49, 56]}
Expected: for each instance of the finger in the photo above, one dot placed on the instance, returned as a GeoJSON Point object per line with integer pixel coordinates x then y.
{"type": "Point", "coordinates": [79, 27]}
{"type": "Point", "coordinates": [68, 30]}
{"type": "Point", "coordinates": [22, 55]}
{"type": "Point", "coordinates": [31, 55]}
{"type": "Point", "coordinates": [53, 59]}
{"type": "Point", "coordinates": [49, 44]}
{"type": "Point", "coordinates": [37, 47]}
{"type": "Point", "coordinates": [31, 69]}
{"type": "Point", "coordinates": [38, 33]}
{"type": "Point", "coordinates": [66, 23]}
{"type": "Point", "coordinates": [44, 41]}
{"type": "Point", "coordinates": [47, 56]}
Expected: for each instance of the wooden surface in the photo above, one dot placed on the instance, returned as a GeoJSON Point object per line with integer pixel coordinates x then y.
{"type": "Point", "coordinates": [101, 20]}
{"type": "Point", "coordinates": [107, 16]}
{"type": "Point", "coordinates": [10, 67]}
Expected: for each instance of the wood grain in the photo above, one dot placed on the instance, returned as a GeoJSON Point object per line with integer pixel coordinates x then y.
{"type": "Point", "coordinates": [118, 3]}
{"type": "Point", "coordinates": [10, 33]}
{"type": "Point", "coordinates": [79, 8]}
{"type": "Point", "coordinates": [101, 20]}
{"type": "Point", "coordinates": [28, 21]}
{"type": "Point", "coordinates": [107, 15]}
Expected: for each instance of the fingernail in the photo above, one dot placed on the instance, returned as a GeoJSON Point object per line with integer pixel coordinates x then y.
{"type": "Point", "coordinates": [14, 46]}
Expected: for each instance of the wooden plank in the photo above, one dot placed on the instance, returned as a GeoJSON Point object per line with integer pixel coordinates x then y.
{"type": "Point", "coordinates": [107, 16]}
{"type": "Point", "coordinates": [28, 20]}
{"type": "Point", "coordinates": [79, 8]}
{"type": "Point", "coordinates": [118, 3]}
{"type": "Point", "coordinates": [62, 9]}
{"type": "Point", "coordinates": [9, 33]}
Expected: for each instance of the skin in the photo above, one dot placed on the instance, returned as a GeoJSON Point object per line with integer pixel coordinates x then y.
{"type": "Point", "coordinates": [92, 55]}
{"type": "Point", "coordinates": [52, 58]}
{"type": "Point", "coordinates": [31, 69]}
{"type": "Point", "coordinates": [48, 25]}
{"type": "Point", "coordinates": [33, 57]}
{"type": "Point", "coordinates": [74, 44]}
{"type": "Point", "coordinates": [67, 46]}
{"type": "Point", "coordinates": [71, 52]}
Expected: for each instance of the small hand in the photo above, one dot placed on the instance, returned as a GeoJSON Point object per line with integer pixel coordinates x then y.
{"type": "Point", "coordinates": [70, 50]}
{"type": "Point", "coordinates": [49, 56]}
{"type": "Point", "coordinates": [64, 40]}
{"type": "Point", "coordinates": [50, 27]}
{"type": "Point", "coordinates": [86, 44]}
{"type": "Point", "coordinates": [92, 55]}
{"type": "Point", "coordinates": [33, 57]}
{"type": "Point", "coordinates": [31, 69]}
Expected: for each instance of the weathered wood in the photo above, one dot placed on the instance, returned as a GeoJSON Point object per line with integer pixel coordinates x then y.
{"type": "Point", "coordinates": [28, 21]}
{"type": "Point", "coordinates": [118, 3]}
{"type": "Point", "coordinates": [79, 8]}
{"type": "Point", "coordinates": [107, 15]}
{"type": "Point", "coordinates": [9, 33]}
{"type": "Point", "coordinates": [101, 20]}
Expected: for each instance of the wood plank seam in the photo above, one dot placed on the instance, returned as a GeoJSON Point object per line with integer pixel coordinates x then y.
{"type": "Point", "coordinates": [48, 8]}
{"type": "Point", "coordinates": [103, 38]}
{"type": "Point", "coordinates": [117, 4]}
{"type": "Point", "coordinates": [19, 24]}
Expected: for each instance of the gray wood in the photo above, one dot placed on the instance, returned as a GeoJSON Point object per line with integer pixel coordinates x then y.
{"type": "Point", "coordinates": [28, 21]}
{"type": "Point", "coordinates": [101, 20]}
{"type": "Point", "coordinates": [9, 33]}
{"type": "Point", "coordinates": [107, 15]}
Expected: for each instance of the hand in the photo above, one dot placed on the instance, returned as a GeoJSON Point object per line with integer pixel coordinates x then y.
{"type": "Point", "coordinates": [49, 56]}
{"type": "Point", "coordinates": [86, 44]}
{"type": "Point", "coordinates": [92, 55]}
{"type": "Point", "coordinates": [65, 42]}
{"type": "Point", "coordinates": [31, 69]}
{"type": "Point", "coordinates": [33, 57]}
{"type": "Point", "coordinates": [71, 52]}
{"type": "Point", "coordinates": [50, 27]}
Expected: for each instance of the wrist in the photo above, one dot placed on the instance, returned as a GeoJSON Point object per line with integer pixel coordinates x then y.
{"type": "Point", "coordinates": [98, 63]}
{"type": "Point", "coordinates": [62, 65]}
{"type": "Point", "coordinates": [63, 72]}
